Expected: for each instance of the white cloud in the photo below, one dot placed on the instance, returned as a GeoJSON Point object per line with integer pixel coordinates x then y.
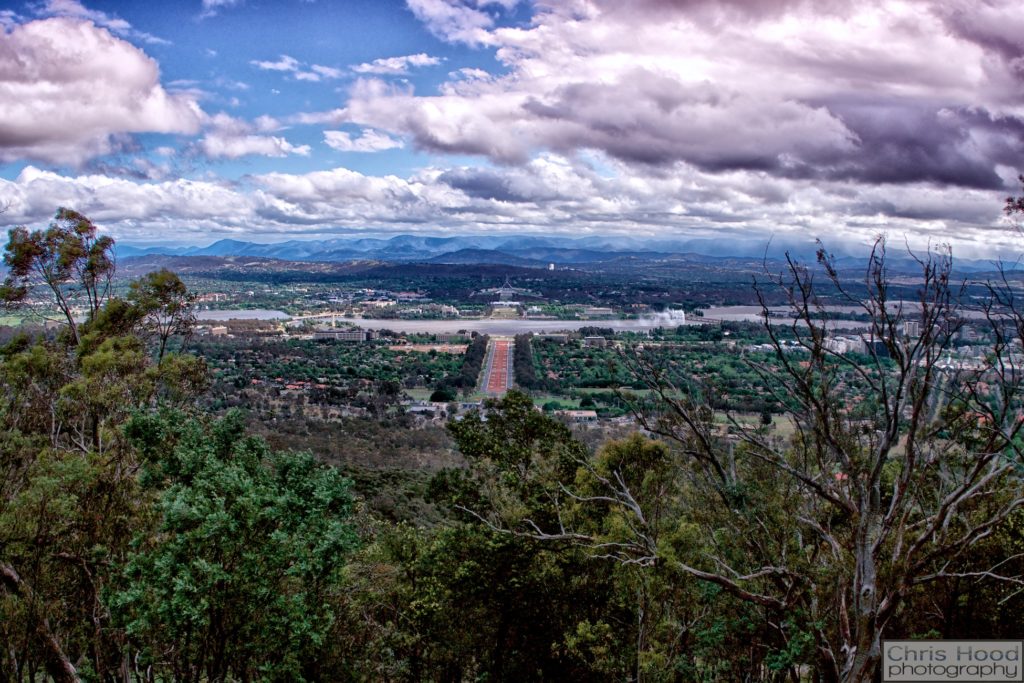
{"type": "Point", "coordinates": [211, 7]}
{"type": "Point", "coordinates": [265, 124]}
{"type": "Point", "coordinates": [396, 65]}
{"type": "Point", "coordinates": [313, 118]}
{"type": "Point", "coordinates": [284, 63]}
{"type": "Point", "coordinates": [130, 208]}
{"type": "Point", "coordinates": [654, 117]}
{"type": "Point", "coordinates": [69, 89]}
{"type": "Point", "coordinates": [454, 20]}
{"type": "Point", "coordinates": [883, 91]}
{"type": "Point", "coordinates": [76, 10]}
{"type": "Point", "coordinates": [550, 194]}
{"type": "Point", "coordinates": [219, 145]}
{"type": "Point", "coordinates": [470, 73]}
{"type": "Point", "coordinates": [231, 138]}
{"type": "Point", "coordinates": [368, 141]}
{"type": "Point", "coordinates": [288, 64]}
{"type": "Point", "coordinates": [328, 72]}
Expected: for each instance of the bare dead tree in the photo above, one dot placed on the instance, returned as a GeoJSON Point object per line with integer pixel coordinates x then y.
{"type": "Point", "coordinates": [899, 465]}
{"type": "Point", "coordinates": [890, 485]}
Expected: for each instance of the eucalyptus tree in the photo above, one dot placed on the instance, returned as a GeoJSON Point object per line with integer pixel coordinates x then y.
{"type": "Point", "coordinates": [69, 259]}
{"type": "Point", "coordinates": [165, 306]}
{"type": "Point", "coordinates": [69, 497]}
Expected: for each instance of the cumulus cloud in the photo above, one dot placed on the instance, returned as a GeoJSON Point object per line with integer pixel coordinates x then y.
{"type": "Point", "coordinates": [310, 118]}
{"type": "Point", "coordinates": [648, 117]}
{"type": "Point", "coordinates": [989, 24]}
{"type": "Point", "coordinates": [128, 208]}
{"type": "Point", "coordinates": [69, 90]}
{"type": "Point", "coordinates": [396, 65]}
{"type": "Point", "coordinates": [230, 138]}
{"type": "Point", "coordinates": [368, 141]}
{"type": "Point", "coordinates": [453, 20]}
{"type": "Point", "coordinates": [875, 92]}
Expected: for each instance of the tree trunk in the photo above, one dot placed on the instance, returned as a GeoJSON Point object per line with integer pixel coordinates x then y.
{"type": "Point", "coordinates": [866, 636]}
{"type": "Point", "coordinates": [57, 664]}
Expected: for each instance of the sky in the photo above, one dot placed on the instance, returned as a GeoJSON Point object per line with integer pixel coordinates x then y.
{"type": "Point", "coordinates": [268, 120]}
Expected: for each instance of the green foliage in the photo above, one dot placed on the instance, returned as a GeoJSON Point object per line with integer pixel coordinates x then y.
{"type": "Point", "coordinates": [442, 396]}
{"type": "Point", "coordinates": [70, 501]}
{"type": "Point", "coordinates": [523, 363]}
{"type": "Point", "coordinates": [513, 434]}
{"type": "Point", "coordinates": [338, 372]}
{"type": "Point", "coordinates": [164, 306]}
{"type": "Point", "coordinates": [464, 603]}
{"type": "Point", "coordinates": [529, 476]}
{"type": "Point", "coordinates": [236, 583]}
{"type": "Point", "coordinates": [472, 363]}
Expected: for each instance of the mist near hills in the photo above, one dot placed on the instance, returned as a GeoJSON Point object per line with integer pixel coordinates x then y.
{"type": "Point", "coordinates": [538, 251]}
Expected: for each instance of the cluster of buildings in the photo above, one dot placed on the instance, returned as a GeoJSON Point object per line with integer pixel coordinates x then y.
{"type": "Point", "coordinates": [348, 334]}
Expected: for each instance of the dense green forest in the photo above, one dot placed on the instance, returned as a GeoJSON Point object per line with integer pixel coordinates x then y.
{"type": "Point", "coordinates": [147, 535]}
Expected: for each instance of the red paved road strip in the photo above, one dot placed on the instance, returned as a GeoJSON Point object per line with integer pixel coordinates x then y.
{"type": "Point", "coordinates": [499, 376]}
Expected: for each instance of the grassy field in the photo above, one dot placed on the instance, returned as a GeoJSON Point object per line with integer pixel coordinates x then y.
{"type": "Point", "coordinates": [563, 403]}
{"type": "Point", "coordinates": [419, 394]}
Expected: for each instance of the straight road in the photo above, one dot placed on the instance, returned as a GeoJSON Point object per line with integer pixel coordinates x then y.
{"type": "Point", "coordinates": [498, 368]}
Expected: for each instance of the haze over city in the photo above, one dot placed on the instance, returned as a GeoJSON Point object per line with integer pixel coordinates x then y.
{"type": "Point", "coordinates": [267, 121]}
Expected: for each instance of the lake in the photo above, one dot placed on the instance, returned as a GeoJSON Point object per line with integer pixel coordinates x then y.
{"type": "Point", "coordinates": [498, 326]}
{"type": "Point", "coordinates": [247, 314]}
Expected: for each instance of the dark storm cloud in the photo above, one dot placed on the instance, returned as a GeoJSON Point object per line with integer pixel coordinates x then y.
{"type": "Point", "coordinates": [904, 143]}
{"type": "Point", "coordinates": [988, 25]}
{"type": "Point", "coordinates": [481, 184]}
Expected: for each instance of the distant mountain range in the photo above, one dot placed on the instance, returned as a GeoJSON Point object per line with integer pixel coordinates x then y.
{"type": "Point", "coordinates": [525, 250]}
{"type": "Point", "coordinates": [424, 249]}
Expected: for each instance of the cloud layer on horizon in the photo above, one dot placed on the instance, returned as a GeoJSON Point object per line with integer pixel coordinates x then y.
{"type": "Point", "coordinates": [547, 194]}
